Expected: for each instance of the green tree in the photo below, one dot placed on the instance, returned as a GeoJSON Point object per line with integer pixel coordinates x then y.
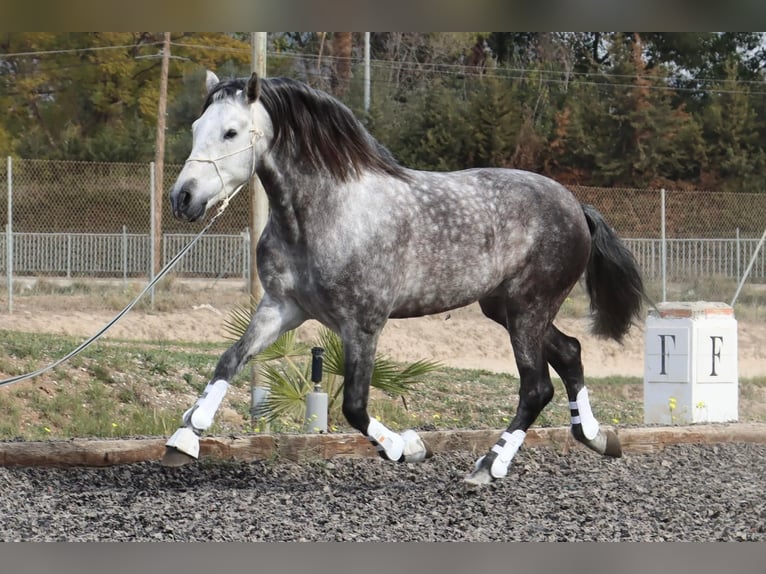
{"type": "Point", "coordinates": [94, 96]}
{"type": "Point", "coordinates": [732, 130]}
{"type": "Point", "coordinates": [624, 129]}
{"type": "Point", "coordinates": [492, 122]}
{"type": "Point", "coordinates": [434, 133]}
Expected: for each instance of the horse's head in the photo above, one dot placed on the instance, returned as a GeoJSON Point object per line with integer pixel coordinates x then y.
{"type": "Point", "coordinates": [229, 136]}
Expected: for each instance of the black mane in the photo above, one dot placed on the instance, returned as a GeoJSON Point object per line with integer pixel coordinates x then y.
{"type": "Point", "coordinates": [314, 128]}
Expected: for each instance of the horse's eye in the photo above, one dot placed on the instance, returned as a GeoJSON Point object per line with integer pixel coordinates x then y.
{"type": "Point", "coordinates": [230, 134]}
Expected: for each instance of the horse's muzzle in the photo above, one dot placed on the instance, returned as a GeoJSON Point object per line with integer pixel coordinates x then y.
{"type": "Point", "coordinates": [182, 203]}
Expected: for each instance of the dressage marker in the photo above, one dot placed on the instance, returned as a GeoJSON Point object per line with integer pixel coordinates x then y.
{"type": "Point", "coordinates": [690, 364]}
{"type": "Point", "coordinates": [354, 238]}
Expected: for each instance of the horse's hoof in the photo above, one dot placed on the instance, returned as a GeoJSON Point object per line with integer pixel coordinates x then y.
{"type": "Point", "coordinates": [481, 474]}
{"type": "Point", "coordinates": [478, 478]}
{"type": "Point", "coordinates": [613, 446]}
{"type": "Point", "coordinates": [185, 441]}
{"type": "Point", "coordinates": [174, 457]}
{"type": "Point", "coordinates": [605, 442]}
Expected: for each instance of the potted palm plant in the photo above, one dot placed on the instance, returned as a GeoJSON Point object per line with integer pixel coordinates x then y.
{"type": "Point", "coordinates": [285, 369]}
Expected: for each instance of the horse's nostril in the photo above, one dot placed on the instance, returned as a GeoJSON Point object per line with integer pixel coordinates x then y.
{"type": "Point", "coordinates": [184, 199]}
{"type": "Point", "coordinates": [181, 199]}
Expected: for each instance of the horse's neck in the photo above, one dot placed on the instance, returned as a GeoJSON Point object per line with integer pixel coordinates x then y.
{"type": "Point", "coordinates": [296, 199]}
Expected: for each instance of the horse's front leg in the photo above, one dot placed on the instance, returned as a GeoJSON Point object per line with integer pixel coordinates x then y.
{"type": "Point", "coordinates": [359, 356]}
{"type": "Point", "coordinates": [270, 320]}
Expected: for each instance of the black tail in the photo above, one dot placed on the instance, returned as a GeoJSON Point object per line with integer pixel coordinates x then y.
{"type": "Point", "coordinates": [612, 279]}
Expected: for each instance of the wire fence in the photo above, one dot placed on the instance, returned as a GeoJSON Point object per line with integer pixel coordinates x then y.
{"type": "Point", "coordinates": [84, 219]}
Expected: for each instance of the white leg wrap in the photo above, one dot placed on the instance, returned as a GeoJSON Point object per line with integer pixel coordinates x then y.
{"type": "Point", "coordinates": [201, 415]}
{"type": "Point", "coordinates": [584, 414]}
{"type": "Point", "coordinates": [505, 453]}
{"type": "Point", "coordinates": [414, 448]}
{"type": "Point", "coordinates": [387, 440]}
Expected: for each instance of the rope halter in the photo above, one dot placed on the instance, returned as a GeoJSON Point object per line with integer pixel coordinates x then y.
{"type": "Point", "coordinates": [255, 135]}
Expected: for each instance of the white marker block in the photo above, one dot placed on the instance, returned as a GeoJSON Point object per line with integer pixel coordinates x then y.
{"type": "Point", "coordinates": [690, 364]}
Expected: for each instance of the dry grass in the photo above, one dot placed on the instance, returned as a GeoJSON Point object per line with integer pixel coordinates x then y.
{"type": "Point", "coordinates": [130, 388]}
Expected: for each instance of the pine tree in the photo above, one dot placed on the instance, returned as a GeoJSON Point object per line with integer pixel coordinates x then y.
{"type": "Point", "coordinates": [93, 96]}
{"type": "Point", "coordinates": [624, 129]}
{"type": "Point", "coordinates": [435, 134]}
{"type": "Point", "coordinates": [491, 124]}
{"type": "Point", "coordinates": [735, 154]}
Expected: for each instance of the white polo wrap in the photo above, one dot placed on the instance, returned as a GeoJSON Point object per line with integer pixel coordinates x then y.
{"type": "Point", "coordinates": [506, 452]}
{"type": "Point", "coordinates": [387, 440]}
{"type": "Point", "coordinates": [201, 415]}
{"type": "Point", "coordinates": [584, 415]}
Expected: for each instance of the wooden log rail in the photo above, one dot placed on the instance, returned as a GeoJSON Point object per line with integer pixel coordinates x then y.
{"type": "Point", "coordinates": [301, 447]}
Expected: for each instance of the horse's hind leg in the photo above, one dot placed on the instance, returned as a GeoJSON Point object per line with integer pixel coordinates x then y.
{"type": "Point", "coordinates": [563, 354]}
{"type": "Point", "coordinates": [535, 390]}
{"type": "Point", "coordinates": [270, 320]}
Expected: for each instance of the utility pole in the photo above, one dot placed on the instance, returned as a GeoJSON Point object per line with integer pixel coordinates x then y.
{"type": "Point", "coordinates": [159, 155]}
{"type": "Point", "coordinates": [259, 211]}
{"type": "Point", "coordinates": [259, 204]}
{"type": "Point", "coordinates": [366, 72]}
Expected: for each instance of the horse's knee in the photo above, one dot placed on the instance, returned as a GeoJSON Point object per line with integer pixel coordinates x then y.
{"type": "Point", "coordinates": [536, 398]}
{"type": "Point", "coordinates": [546, 393]}
{"type": "Point", "coordinates": [230, 362]}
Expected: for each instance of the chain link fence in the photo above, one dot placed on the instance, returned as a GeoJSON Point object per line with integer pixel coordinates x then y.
{"type": "Point", "coordinates": [83, 219]}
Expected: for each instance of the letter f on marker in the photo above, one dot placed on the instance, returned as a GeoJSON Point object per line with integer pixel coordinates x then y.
{"type": "Point", "coordinates": [716, 352]}
{"type": "Point", "coordinates": [664, 352]}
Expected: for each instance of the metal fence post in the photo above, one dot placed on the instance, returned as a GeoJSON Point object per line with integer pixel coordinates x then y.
{"type": "Point", "coordinates": [749, 267]}
{"type": "Point", "coordinates": [739, 257]}
{"type": "Point", "coordinates": [124, 255]}
{"type": "Point", "coordinates": [152, 231]}
{"type": "Point", "coordinates": [9, 234]}
{"type": "Point", "coordinates": [664, 249]}
{"type": "Point", "coordinates": [68, 255]}
{"type": "Point", "coordinates": [247, 265]}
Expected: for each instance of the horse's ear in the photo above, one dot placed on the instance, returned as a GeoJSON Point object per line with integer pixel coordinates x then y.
{"type": "Point", "coordinates": [253, 88]}
{"type": "Point", "coordinates": [211, 81]}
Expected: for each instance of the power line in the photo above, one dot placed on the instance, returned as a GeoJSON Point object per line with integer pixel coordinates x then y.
{"type": "Point", "coordinates": [243, 51]}
{"type": "Point", "coordinates": [440, 68]}
{"type": "Point", "coordinates": [444, 69]}
{"type": "Point", "coordinates": [75, 50]}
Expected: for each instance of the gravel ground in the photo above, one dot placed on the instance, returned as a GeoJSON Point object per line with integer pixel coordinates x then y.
{"type": "Point", "coordinates": [684, 493]}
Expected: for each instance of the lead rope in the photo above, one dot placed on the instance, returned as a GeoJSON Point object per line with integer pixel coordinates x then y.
{"type": "Point", "coordinates": [254, 135]}
{"type": "Point", "coordinates": [170, 264]}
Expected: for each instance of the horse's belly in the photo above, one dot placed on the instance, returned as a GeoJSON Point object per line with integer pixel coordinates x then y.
{"type": "Point", "coordinates": [434, 294]}
{"type": "Point", "coordinates": [420, 309]}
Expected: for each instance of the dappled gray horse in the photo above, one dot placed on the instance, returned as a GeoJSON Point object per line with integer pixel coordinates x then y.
{"type": "Point", "coordinates": [353, 238]}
